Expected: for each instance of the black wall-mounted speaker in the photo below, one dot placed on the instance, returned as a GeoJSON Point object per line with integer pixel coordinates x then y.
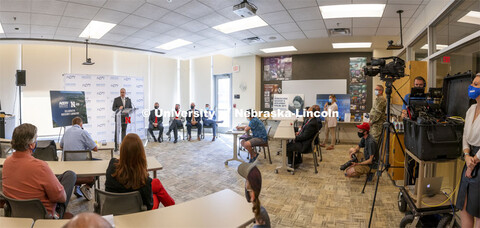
{"type": "Point", "coordinates": [21, 80]}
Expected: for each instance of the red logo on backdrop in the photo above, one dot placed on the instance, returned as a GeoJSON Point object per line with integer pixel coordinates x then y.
{"type": "Point", "coordinates": [446, 59]}
{"type": "Point", "coordinates": [127, 120]}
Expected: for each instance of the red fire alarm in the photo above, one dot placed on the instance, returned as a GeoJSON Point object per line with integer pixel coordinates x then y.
{"type": "Point", "coordinates": [446, 59]}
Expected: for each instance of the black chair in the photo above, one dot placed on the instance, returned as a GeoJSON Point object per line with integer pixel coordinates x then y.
{"type": "Point", "coordinates": [315, 149]}
{"type": "Point", "coordinates": [31, 208]}
{"type": "Point", "coordinates": [108, 203]}
{"type": "Point", "coordinates": [79, 155]}
{"type": "Point", "coordinates": [46, 150]}
{"type": "Point", "coordinates": [266, 146]}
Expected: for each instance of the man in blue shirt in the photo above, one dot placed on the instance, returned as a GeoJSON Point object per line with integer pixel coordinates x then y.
{"type": "Point", "coordinates": [77, 139]}
{"type": "Point", "coordinates": [209, 120]}
{"type": "Point", "coordinates": [419, 82]}
{"type": "Point", "coordinates": [259, 134]}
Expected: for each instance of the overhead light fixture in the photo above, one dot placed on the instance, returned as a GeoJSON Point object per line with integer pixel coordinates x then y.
{"type": "Point", "coordinates": [174, 44]}
{"type": "Point", "coordinates": [88, 61]}
{"type": "Point", "coordinates": [96, 29]}
{"type": "Point", "coordinates": [352, 10]}
{"type": "Point", "coordinates": [242, 24]}
{"type": "Point", "coordinates": [438, 46]}
{"type": "Point", "coordinates": [1, 29]}
{"type": "Point", "coordinates": [279, 49]}
{"type": "Point", "coordinates": [472, 17]}
{"type": "Point", "coordinates": [352, 45]}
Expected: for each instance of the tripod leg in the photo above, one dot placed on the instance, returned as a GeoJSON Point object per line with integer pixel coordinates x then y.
{"type": "Point", "coordinates": [382, 136]}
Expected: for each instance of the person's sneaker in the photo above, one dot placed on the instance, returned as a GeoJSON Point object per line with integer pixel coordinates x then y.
{"type": "Point", "coordinates": [77, 192]}
{"type": "Point", "coordinates": [87, 192]}
{"type": "Point", "coordinates": [175, 141]}
{"type": "Point", "coordinates": [154, 139]}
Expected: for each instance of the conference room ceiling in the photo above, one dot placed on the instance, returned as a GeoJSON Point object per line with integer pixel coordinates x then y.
{"type": "Point", "coordinates": [148, 24]}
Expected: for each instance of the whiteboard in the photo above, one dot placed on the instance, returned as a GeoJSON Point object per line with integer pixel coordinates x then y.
{"type": "Point", "coordinates": [313, 87]}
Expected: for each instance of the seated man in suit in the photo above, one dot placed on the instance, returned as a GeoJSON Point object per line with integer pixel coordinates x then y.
{"type": "Point", "coordinates": [303, 140]}
{"type": "Point", "coordinates": [25, 177]}
{"type": "Point", "coordinates": [316, 109]}
{"type": "Point", "coordinates": [156, 123]}
{"type": "Point", "coordinates": [175, 123]}
{"type": "Point", "coordinates": [78, 139]}
{"type": "Point", "coordinates": [193, 119]}
{"type": "Point", "coordinates": [209, 120]}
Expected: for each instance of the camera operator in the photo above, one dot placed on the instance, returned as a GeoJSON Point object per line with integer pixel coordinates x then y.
{"type": "Point", "coordinates": [370, 153]}
{"type": "Point", "coordinates": [469, 192]}
{"type": "Point", "coordinates": [419, 82]}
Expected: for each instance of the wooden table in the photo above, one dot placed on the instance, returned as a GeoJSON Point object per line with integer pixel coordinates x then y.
{"type": "Point", "coordinates": [221, 209]}
{"type": "Point", "coordinates": [50, 223]}
{"type": "Point", "coordinates": [92, 168]}
{"type": "Point", "coordinates": [284, 132]}
{"type": "Point", "coordinates": [109, 147]}
{"type": "Point", "coordinates": [235, 134]}
{"type": "Point", "coordinates": [16, 222]}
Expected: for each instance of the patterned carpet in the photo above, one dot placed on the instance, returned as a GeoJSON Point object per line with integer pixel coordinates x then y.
{"type": "Point", "coordinates": [327, 199]}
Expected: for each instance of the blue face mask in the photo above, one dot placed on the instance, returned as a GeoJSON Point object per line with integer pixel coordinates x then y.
{"type": "Point", "coordinates": [33, 151]}
{"type": "Point", "coordinates": [206, 108]}
{"type": "Point", "coordinates": [473, 92]}
{"type": "Point", "coordinates": [330, 100]}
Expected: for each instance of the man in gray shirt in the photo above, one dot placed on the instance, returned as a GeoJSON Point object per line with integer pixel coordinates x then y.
{"type": "Point", "coordinates": [366, 161]}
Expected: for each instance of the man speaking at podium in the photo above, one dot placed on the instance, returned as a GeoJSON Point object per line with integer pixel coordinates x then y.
{"type": "Point", "coordinates": [120, 103]}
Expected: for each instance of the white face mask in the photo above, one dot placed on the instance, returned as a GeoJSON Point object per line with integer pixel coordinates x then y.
{"type": "Point", "coordinates": [376, 92]}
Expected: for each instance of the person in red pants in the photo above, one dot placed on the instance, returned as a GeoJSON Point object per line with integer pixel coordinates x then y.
{"type": "Point", "coordinates": [129, 173]}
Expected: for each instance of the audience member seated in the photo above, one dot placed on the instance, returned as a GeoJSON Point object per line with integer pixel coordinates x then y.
{"type": "Point", "coordinates": [77, 139]}
{"type": "Point", "coordinates": [25, 177]}
{"type": "Point", "coordinates": [303, 139]}
{"type": "Point", "coordinates": [253, 187]}
{"type": "Point", "coordinates": [175, 123]}
{"type": "Point", "coordinates": [209, 120]}
{"type": "Point", "coordinates": [156, 123]}
{"type": "Point", "coordinates": [129, 173]}
{"type": "Point", "coordinates": [87, 219]}
{"type": "Point", "coordinates": [358, 166]}
{"type": "Point", "coordinates": [193, 119]}
{"type": "Point", "coordinates": [259, 134]}
{"type": "Point", "coordinates": [316, 110]}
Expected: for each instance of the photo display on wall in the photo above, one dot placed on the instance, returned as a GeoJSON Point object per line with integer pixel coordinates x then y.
{"type": "Point", "coordinates": [358, 86]}
{"type": "Point", "coordinates": [269, 91]}
{"type": "Point", "coordinates": [277, 68]}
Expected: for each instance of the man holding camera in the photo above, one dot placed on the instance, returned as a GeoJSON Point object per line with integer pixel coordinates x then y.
{"type": "Point", "coordinates": [358, 166]}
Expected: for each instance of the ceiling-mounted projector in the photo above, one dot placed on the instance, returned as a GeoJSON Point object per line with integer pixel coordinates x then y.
{"type": "Point", "coordinates": [245, 9]}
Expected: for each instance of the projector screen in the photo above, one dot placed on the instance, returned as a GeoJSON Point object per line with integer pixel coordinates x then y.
{"type": "Point", "coordinates": [310, 88]}
{"type": "Point", "coordinates": [67, 105]}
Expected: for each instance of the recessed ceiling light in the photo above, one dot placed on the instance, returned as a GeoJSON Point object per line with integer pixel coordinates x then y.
{"type": "Point", "coordinates": [439, 46]}
{"type": "Point", "coordinates": [352, 10]}
{"type": "Point", "coordinates": [352, 45]}
{"type": "Point", "coordinates": [174, 44]}
{"type": "Point", "coordinates": [242, 24]}
{"type": "Point", "coordinates": [96, 29]}
{"type": "Point", "coordinates": [472, 17]}
{"type": "Point", "coordinates": [279, 49]}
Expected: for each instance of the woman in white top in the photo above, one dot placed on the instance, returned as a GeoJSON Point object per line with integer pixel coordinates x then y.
{"type": "Point", "coordinates": [468, 200]}
{"type": "Point", "coordinates": [330, 121]}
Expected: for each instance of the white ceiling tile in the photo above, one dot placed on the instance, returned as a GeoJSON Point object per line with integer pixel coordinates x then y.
{"type": "Point", "coordinates": [333, 2]}
{"type": "Point", "coordinates": [96, 3]}
{"type": "Point", "coordinates": [40, 29]}
{"type": "Point", "coordinates": [127, 6]}
{"type": "Point", "coordinates": [289, 4]}
{"type": "Point", "coordinates": [161, 39]}
{"type": "Point", "coordinates": [174, 19]}
{"type": "Point", "coordinates": [364, 31]}
{"type": "Point", "coordinates": [420, 10]}
{"type": "Point", "coordinates": [136, 21]}
{"type": "Point", "coordinates": [293, 35]}
{"type": "Point", "coordinates": [62, 37]}
{"type": "Point", "coordinates": [228, 13]}
{"type": "Point", "coordinates": [41, 36]}
{"type": "Point", "coordinates": [213, 19]}
{"type": "Point", "coordinates": [391, 10]}
{"type": "Point", "coordinates": [20, 18]}
{"type": "Point", "coordinates": [151, 43]}
{"type": "Point", "coordinates": [192, 37]}
{"type": "Point", "coordinates": [194, 26]}
{"type": "Point", "coordinates": [267, 6]}
{"type": "Point", "coordinates": [216, 5]}
{"type": "Point", "coordinates": [17, 35]}
{"type": "Point", "coordinates": [262, 30]}
{"type": "Point", "coordinates": [369, 1]}
{"type": "Point", "coordinates": [113, 37]}
{"type": "Point", "coordinates": [272, 37]}
{"type": "Point", "coordinates": [316, 33]}
{"type": "Point", "coordinates": [124, 30]}
{"type": "Point", "coordinates": [280, 17]}
{"type": "Point", "coordinates": [388, 31]}
{"type": "Point", "coordinates": [210, 33]}
{"type": "Point", "coordinates": [80, 11]}
{"type": "Point", "coordinates": [404, 2]}
{"type": "Point", "coordinates": [51, 7]}
{"type": "Point", "coordinates": [110, 16]}
{"type": "Point", "coordinates": [73, 32]}
{"type": "Point", "coordinates": [151, 11]}
{"type": "Point", "coordinates": [145, 34]}
{"type": "Point", "coordinates": [15, 5]}
{"type": "Point", "coordinates": [306, 14]}
{"type": "Point", "coordinates": [178, 33]}
{"type": "Point", "coordinates": [158, 27]}
{"type": "Point", "coordinates": [10, 28]}
{"type": "Point", "coordinates": [311, 25]}
{"type": "Point", "coordinates": [287, 27]}
{"type": "Point", "coordinates": [71, 22]}
{"type": "Point", "coordinates": [338, 23]}
{"type": "Point", "coordinates": [133, 40]}
{"type": "Point", "coordinates": [366, 22]}
{"type": "Point", "coordinates": [242, 34]}
{"type": "Point", "coordinates": [169, 5]}
{"type": "Point", "coordinates": [207, 42]}
{"type": "Point", "coordinates": [194, 9]}
{"type": "Point", "coordinates": [44, 19]}
{"type": "Point", "coordinates": [392, 22]}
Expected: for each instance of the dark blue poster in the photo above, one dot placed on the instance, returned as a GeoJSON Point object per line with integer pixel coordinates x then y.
{"type": "Point", "coordinates": [343, 103]}
{"type": "Point", "coordinates": [67, 105]}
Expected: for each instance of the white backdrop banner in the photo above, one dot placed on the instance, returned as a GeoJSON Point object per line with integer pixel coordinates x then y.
{"type": "Point", "coordinates": [100, 91]}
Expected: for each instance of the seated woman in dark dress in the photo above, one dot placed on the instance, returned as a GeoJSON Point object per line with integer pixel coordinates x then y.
{"type": "Point", "coordinates": [129, 173]}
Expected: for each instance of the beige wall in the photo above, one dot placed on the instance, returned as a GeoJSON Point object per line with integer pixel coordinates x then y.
{"type": "Point", "coordinates": [246, 77]}
{"type": "Point", "coordinates": [200, 81]}
{"type": "Point", "coordinates": [10, 61]}
{"type": "Point", "coordinates": [184, 87]}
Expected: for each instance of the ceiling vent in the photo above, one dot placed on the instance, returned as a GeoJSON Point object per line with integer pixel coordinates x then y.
{"type": "Point", "coordinates": [339, 32]}
{"type": "Point", "coordinates": [253, 40]}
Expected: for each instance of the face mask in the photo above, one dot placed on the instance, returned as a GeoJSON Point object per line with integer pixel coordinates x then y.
{"type": "Point", "coordinates": [360, 134]}
{"type": "Point", "coordinates": [156, 107]}
{"type": "Point", "coordinates": [33, 151]}
{"type": "Point", "coordinates": [247, 196]}
{"type": "Point", "coordinates": [330, 100]}
{"type": "Point", "coordinates": [376, 92]}
{"type": "Point", "coordinates": [192, 107]}
{"type": "Point", "coordinates": [206, 108]}
{"type": "Point", "coordinates": [473, 92]}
